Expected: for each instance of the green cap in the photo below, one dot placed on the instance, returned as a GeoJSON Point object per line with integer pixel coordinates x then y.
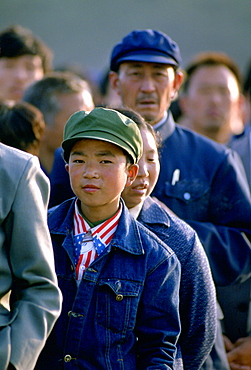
{"type": "Point", "coordinates": [103, 124]}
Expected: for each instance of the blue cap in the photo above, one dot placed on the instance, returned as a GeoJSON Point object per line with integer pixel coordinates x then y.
{"type": "Point", "coordinates": [146, 46]}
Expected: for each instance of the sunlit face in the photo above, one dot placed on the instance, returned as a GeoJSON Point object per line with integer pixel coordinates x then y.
{"type": "Point", "coordinates": [69, 103]}
{"type": "Point", "coordinates": [147, 88]}
{"type": "Point", "coordinates": [213, 98]}
{"type": "Point", "coordinates": [98, 174]}
{"type": "Point", "coordinates": [17, 74]}
{"type": "Point", "coordinates": [147, 175]}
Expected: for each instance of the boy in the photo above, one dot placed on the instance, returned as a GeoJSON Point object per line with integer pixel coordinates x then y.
{"type": "Point", "coordinates": [120, 307]}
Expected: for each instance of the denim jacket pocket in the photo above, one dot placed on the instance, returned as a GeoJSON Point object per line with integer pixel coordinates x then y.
{"type": "Point", "coordinates": [117, 304]}
{"type": "Point", "coordinates": [187, 191]}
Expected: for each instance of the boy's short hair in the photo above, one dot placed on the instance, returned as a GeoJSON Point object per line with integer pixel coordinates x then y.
{"type": "Point", "coordinates": [16, 41]}
{"type": "Point", "coordinates": [103, 124]}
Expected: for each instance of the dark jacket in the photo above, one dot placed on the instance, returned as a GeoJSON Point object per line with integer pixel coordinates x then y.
{"type": "Point", "coordinates": [197, 292]}
{"type": "Point", "coordinates": [211, 195]}
{"type": "Point", "coordinates": [124, 314]}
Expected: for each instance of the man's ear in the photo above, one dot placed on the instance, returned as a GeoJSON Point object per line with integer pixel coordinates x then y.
{"type": "Point", "coordinates": [132, 173]}
{"type": "Point", "coordinates": [114, 81]}
{"type": "Point", "coordinates": [178, 79]}
{"type": "Point", "coordinates": [67, 167]}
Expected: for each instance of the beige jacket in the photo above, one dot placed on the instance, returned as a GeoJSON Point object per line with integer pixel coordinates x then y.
{"type": "Point", "coordinates": [26, 260]}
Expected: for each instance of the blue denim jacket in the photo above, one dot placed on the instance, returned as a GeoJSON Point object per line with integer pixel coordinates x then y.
{"type": "Point", "coordinates": [124, 314]}
{"type": "Point", "coordinates": [197, 291]}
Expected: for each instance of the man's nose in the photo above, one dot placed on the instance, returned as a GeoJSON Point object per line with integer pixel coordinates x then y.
{"type": "Point", "coordinates": [147, 85]}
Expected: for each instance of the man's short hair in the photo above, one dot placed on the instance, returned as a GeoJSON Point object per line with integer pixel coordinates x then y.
{"type": "Point", "coordinates": [208, 59]}
{"type": "Point", "coordinates": [43, 93]}
{"type": "Point", "coordinates": [16, 41]}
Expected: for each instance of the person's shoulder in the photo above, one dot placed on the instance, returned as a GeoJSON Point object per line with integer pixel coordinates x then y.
{"type": "Point", "coordinates": [201, 141]}
{"type": "Point", "coordinates": [14, 161]}
{"type": "Point", "coordinates": [7, 152]}
{"type": "Point", "coordinates": [151, 241]}
{"type": "Point", "coordinates": [170, 228]}
{"type": "Point", "coordinates": [59, 214]}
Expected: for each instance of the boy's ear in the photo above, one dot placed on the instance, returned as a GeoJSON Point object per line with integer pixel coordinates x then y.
{"type": "Point", "coordinates": [67, 167]}
{"type": "Point", "coordinates": [132, 173]}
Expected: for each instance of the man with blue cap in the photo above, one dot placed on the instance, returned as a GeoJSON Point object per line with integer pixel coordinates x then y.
{"type": "Point", "coordinates": [201, 181]}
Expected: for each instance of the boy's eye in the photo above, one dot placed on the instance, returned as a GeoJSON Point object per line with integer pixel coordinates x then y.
{"type": "Point", "coordinates": [105, 161]}
{"type": "Point", "coordinates": [78, 161]}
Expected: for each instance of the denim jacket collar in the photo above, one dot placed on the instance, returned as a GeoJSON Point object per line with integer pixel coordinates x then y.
{"type": "Point", "coordinates": [146, 214]}
{"type": "Point", "coordinates": [60, 221]}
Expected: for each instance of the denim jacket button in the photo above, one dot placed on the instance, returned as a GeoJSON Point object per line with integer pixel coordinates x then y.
{"type": "Point", "coordinates": [67, 358]}
{"type": "Point", "coordinates": [119, 297]}
{"type": "Point", "coordinates": [187, 196]}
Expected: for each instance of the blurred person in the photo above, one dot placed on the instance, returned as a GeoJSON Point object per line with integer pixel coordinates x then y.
{"type": "Point", "coordinates": [212, 104]}
{"type": "Point", "coordinates": [242, 143]}
{"type": "Point", "coordinates": [27, 263]}
{"type": "Point", "coordinates": [200, 180]}
{"type": "Point", "coordinates": [58, 95]}
{"type": "Point", "coordinates": [21, 126]}
{"type": "Point", "coordinates": [239, 346]}
{"type": "Point", "coordinates": [197, 291]}
{"type": "Point", "coordinates": [211, 99]}
{"type": "Point", "coordinates": [24, 59]}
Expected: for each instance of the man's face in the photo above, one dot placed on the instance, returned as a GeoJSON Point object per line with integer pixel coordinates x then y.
{"type": "Point", "coordinates": [69, 103]}
{"type": "Point", "coordinates": [147, 88]}
{"type": "Point", "coordinates": [213, 99]}
{"type": "Point", "coordinates": [16, 74]}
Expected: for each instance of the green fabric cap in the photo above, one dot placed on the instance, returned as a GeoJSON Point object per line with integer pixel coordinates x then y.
{"type": "Point", "coordinates": [103, 124]}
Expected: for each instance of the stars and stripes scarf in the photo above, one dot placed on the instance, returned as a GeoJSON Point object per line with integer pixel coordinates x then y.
{"type": "Point", "coordinates": [91, 242]}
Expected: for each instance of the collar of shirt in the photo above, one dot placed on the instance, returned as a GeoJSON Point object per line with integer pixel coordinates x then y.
{"type": "Point", "coordinates": [161, 122]}
{"type": "Point", "coordinates": [166, 126]}
{"type": "Point", "coordinates": [135, 211]}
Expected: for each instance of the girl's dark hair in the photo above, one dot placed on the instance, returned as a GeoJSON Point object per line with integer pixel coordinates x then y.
{"type": "Point", "coordinates": [140, 122]}
{"type": "Point", "coordinates": [21, 125]}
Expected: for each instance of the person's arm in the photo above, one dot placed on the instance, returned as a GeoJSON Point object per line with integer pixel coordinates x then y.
{"type": "Point", "coordinates": [158, 324]}
{"type": "Point", "coordinates": [35, 295]}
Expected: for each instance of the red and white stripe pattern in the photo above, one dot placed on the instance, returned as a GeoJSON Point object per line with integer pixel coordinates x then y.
{"type": "Point", "coordinates": [83, 237]}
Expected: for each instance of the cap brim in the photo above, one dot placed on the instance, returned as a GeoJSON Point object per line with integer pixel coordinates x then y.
{"type": "Point", "coordinates": [148, 58]}
{"type": "Point", "coordinates": [69, 143]}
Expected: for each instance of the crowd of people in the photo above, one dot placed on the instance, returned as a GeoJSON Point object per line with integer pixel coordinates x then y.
{"type": "Point", "coordinates": [135, 250]}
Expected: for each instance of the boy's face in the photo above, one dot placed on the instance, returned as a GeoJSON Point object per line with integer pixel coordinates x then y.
{"type": "Point", "coordinates": [98, 174]}
{"type": "Point", "coordinates": [17, 74]}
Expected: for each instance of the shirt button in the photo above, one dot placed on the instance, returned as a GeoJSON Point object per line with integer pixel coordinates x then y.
{"type": "Point", "coordinates": [119, 297]}
{"type": "Point", "coordinates": [187, 196]}
{"type": "Point", "coordinates": [67, 358]}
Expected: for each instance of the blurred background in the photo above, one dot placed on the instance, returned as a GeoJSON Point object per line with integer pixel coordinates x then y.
{"type": "Point", "coordinates": [83, 32]}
